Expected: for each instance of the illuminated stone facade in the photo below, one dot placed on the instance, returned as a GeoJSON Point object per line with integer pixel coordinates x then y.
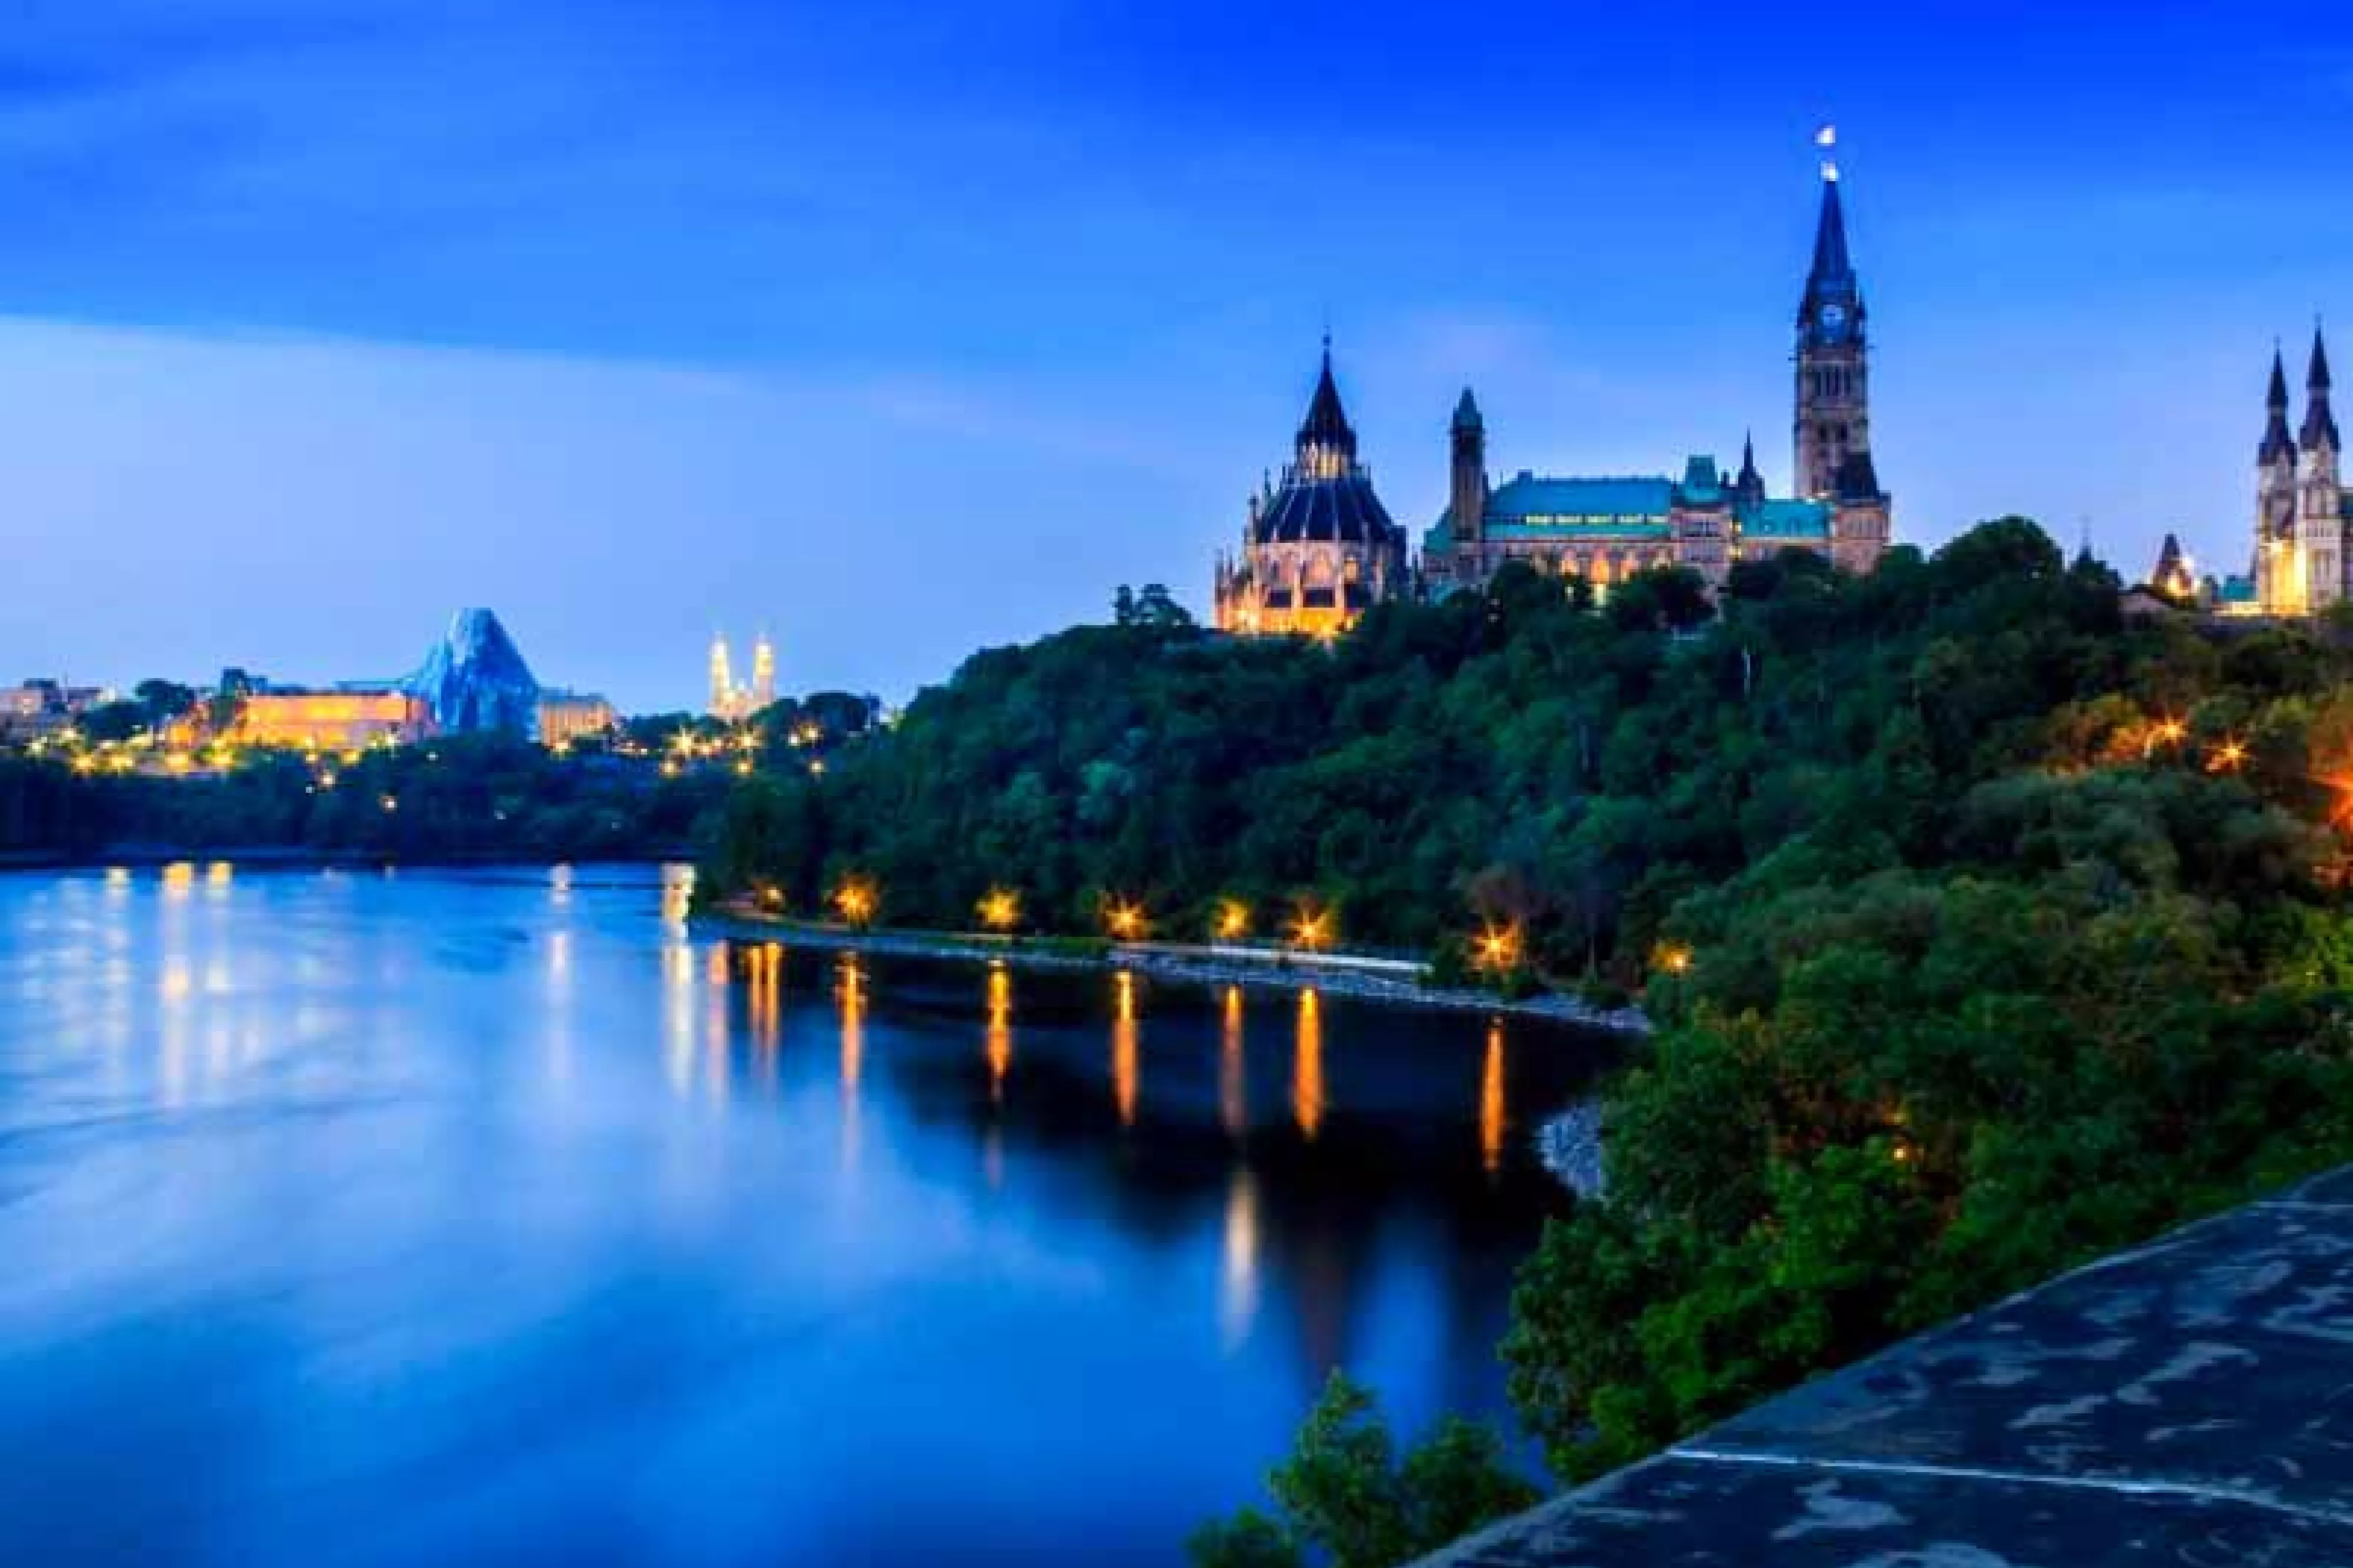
{"type": "Point", "coordinates": [734, 702]}
{"type": "Point", "coordinates": [568, 716]}
{"type": "Point", "coordinates": [39, 708]}
{"type": "Point", "coordinates": [330, 720]}
{"type": "Point", "coordinates": [1319, 549]}
{"type": "Point", "coordinates": [2304, 512]}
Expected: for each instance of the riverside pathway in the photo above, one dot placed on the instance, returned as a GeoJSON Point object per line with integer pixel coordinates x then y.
{"type": "Point", "coordinates": [1334, 973]}
{"type": "Point", "coordinates": [2188, 1404]}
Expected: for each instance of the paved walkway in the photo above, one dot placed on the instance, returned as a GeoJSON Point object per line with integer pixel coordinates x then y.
{"type": "Point", "coordinates": [2189, 1404]}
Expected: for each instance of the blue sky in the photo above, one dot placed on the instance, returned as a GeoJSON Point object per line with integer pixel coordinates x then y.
{"type": "Point", "coordinates": [901, 330]}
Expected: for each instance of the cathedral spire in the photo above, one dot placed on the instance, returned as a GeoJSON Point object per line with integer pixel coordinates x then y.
{"type": "Point", "coordinates": [1327, 443]}
{"type": "Point", "coordinates": [2320, 421]}
{"type": "Point", "coordinates": [2278, 442]}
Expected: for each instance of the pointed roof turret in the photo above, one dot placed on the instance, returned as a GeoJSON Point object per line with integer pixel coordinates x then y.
{"type": "Point", "coordinates": [2320, 421]}
{"type": "Point", "coordinates": [1831, 263]}
{"type": "Point", "coordinates": [1750, 483]}
{"type": "Point", "coordinates": [1466, 414]}
{"type": "Point", "coordinates": [2172, 574]}
{"type": "Point", "coordinates": [2278, 442]}
{"type": "Point", "coordinates": [1326, 424]}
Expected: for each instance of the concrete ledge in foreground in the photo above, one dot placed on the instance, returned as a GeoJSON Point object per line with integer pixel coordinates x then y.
{"type": "Point", "coordinates": [2189, 1404]}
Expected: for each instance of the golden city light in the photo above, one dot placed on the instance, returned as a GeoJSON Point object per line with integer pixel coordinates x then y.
{"type": "Point", "coordinates": [1124, 919]}
{"type": "Point", "coordinates": [1233, 921]}
{"type": "Point", "coordinates": [1674, 959]}
{"type": "Point", "coordinates": [1001, 909]}
{"type": "Point", "coordinates": [2227, 758]}
{"type": "Point", "coordinates": [1498, 948]}
{"type": "Point", "coordinates": [855, 900]}
{"type": "Point", "coordinates": [1311, 928]}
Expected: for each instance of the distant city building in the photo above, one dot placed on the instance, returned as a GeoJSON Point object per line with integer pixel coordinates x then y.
{"type": "Point", "coordinates": [2304, 513]}
{"type": "Point", "coordinates": [40, 708]}
{"type": "Point", "coordinates": [568, 716]}
{"type": "Point", "coordinates": [732, 702]}
{"type": "Point", "coordinates": [475, 679]}
{"type": "Point", "coordinates": [1319, 549]}
{"type": "Point", "coordinates": [1604, 529]}
{"type": "Point", "coordinates": [328, 720]}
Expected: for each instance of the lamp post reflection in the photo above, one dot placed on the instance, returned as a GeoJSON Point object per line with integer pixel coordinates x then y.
{"type": "Point", "coordinates": [850, 998]}
{"type": "Point", "coordinates": [1492, 1118]}
{"type": "Point", "coordinates": [1307, 1067]}
{"type": "Point", "coordinates": [765, 964]}
{"type": "Point", "coordinates": [677, 1013]}
{"type": "Point", "coordinates": [1233, 1087]}
{"type": "Point", "coordinates": [997, 1041]}
{"type": "Point", "coordinates": [715, 1035]}
{"type": "Point", "coordinates": [1123, 1065]}
{"type": "Point", "coordinates": [1238, 1273]}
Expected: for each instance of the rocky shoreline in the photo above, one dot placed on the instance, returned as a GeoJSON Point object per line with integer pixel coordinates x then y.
{"type": "Point", "coordinates": [1276, 974]}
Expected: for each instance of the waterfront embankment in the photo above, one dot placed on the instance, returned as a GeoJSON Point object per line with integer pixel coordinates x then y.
{"type": "Point", "coordinates": [1389, 981]}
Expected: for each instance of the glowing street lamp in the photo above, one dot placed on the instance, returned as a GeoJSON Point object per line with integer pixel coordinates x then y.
{"type": "Point", "coordinates": [2166, 732]}
{"type": "Point", "coordinates": [1673, 958]}
{"type": "Point", "coordinates": [1126, 920]}
{"type": "Point", "coordinates": [1311, 931]}
{"type": "Point", "coordinates": [855, 900]}
{"type": "Point", "coordinates": [1001, 911]}
{"type": "Point", "coordinates": [2227, 758]}
{"type": "Point", "coordinates": [1498, 949]}
{"type": "Point", "coordinates": [1233, 921]}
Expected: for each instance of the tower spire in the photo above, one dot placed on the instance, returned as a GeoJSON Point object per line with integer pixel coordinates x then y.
{"type": "Point", "coordinates": [2319, 420]}
{"type": "Point", "coordinates": [2278, 442]}
{"type": "Point", "coordinates": [1831, 263]}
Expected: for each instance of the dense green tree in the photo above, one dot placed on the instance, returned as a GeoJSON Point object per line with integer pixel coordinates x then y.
{"type": "Point", "coordinates": [1984, 930]}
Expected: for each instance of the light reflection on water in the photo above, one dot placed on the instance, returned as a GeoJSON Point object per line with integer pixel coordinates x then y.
{"type": "Point", "coordinates": [475, 1217]}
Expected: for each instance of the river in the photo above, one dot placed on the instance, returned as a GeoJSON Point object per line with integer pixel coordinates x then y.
{"type": "Point", "coordinates": [404, 1218]}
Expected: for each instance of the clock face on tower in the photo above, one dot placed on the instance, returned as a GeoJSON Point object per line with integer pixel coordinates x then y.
{"type": "Point", "coordinates": [1834, 320]}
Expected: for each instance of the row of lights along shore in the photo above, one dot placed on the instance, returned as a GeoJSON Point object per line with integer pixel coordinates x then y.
{"type": "Point", "coordinates": [856, 902]}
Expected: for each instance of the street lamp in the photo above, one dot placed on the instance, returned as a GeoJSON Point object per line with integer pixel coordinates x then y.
{"type": "Point", "coordinates": [1001, 911]}
{"type": "Point", "coordinates": [855, 900]}
{"type": "Point", "coordinates": [1498, 949]}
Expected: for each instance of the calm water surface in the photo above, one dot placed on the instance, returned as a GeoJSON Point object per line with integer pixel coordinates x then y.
{"type": "Point", "coordinates": [359, 1218]}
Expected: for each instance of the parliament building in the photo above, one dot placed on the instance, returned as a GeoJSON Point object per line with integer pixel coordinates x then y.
{"type": "Point", "coordinates": [1319, 548]}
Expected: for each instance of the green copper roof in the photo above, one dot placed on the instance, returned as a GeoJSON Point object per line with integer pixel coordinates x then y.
{"type": "Point", "coordinates": [1562, 502]}
{"type": "Point", "coordinates": [1702, 486]}
{"type": "Point", "coordinates": [2238, 590]}
{"type": "Point", "coordinates": [1786, 520]}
